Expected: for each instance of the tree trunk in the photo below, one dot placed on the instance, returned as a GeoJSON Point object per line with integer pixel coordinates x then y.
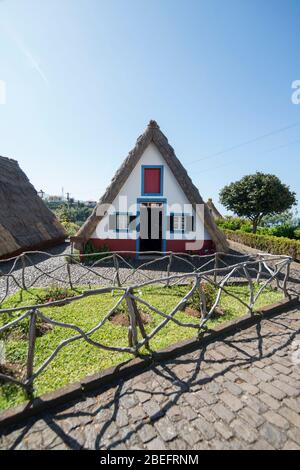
{"type": "Point", "coordinates": [254, 226]}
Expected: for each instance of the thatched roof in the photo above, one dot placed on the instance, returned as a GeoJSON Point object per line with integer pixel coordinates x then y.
{"type": "Point", "coordinates": [153, 135]}
{"type": "Point", "coordinates": [25, 221]}
{"type": "Point", "coordinates": [213, 210]}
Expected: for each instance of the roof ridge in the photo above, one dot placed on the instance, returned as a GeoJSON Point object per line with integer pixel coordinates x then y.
{"type": "Point", "coordinates": [9, 159]}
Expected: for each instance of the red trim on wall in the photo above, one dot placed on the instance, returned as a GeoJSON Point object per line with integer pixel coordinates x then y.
{"type": "Point", "coordinates": [118, 244]}
{"type": "Point", "coordinates": [172, 245]}
{"type": "Point", "coordinates": [180, 246]}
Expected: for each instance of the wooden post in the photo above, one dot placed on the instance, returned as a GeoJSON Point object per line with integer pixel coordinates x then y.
{"type": "Point", "coordinates": [216, 267]}
{"type": "Point", "coordinates": [169, 269]}
{"type": "Point", "coordinates": [286, 278]}
{"type": "Point", "coordinates": [203, 308]}
{"type": "Point", "coordinates": [259, 269]}
{"type": "Point", "coordinates": [31, 348]}
{"type": "Point", "coordinates": [69, 275]}
{"type": "Point", "coordinates": [23, 272]}
{"type": "Point", "coordinates": [116, 276]}
{"type": "Point", "coordinates": [132, 329]}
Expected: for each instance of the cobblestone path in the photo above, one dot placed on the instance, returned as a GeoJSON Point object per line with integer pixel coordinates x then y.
{"type": "Point", "coordinates": [242, 392]}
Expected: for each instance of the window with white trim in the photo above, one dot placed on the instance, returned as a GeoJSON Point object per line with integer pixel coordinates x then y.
{"type": "Point", "coordinates": [181, 223]}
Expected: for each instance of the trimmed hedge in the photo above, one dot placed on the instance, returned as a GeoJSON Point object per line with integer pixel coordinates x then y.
{"type": "Point", "coordinates": [267, 243]}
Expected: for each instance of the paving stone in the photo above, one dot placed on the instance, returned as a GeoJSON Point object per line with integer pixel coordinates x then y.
{"type": "Point", "coordinates": [270, 401]}
{"type": "Point", "coordinates": [232, 401]}
{"type": "Point", "coordinates": [189, 434]}
{"type": "Point", "coordinates": [137, 413]}
{"type": "Point", "coordinates": [233, 388]}
{"type": "Point", "coordinates": [274, 418]}
{"type": "Point", "coordinates": [223, 429]}
{"type": "Point", "coordinates": [294, 434]}
{"type": "Point", "coordinates": [261, 375]}
{"type": "Point", "coordinates": [122, 418]}
{"type": "Point", "coordinates": [166, 429]}
{"type": "Point", "coordinates": [213, 387]}
{"type": "Point", "coordinates": [142, 396]}
{"type": "Point", "coordinates": [251, 417]}
{"type": "Point", "coordinates": [153, 410]}
{"type": "Point", "coordinates": [274, 436]}
{"type": "Point", "coordinates": [188, 413]}
{"type": "Point", "coordinates": [243, 431]}
{"type": "Point", "coordinates": [247, 377]}
{"type": "Point", "coordinates": [174, 413]}
{"type": "Point", "coordinates": [282, 369]}
{"type": "Point", "coordinates": [261, 444]}
{"type": "Point", "coordinates": [156, 444]}
{"type": "Point", "coordinates": [207, 414]}
{"type": "Point", "coordinates": [293, 403]}
{"type": "Point", "coordinates": [288, 379]}
{"type": "Point", "coordinates": [207, 397]}
{"type": "Point", "coordinates": [147, 432]}
{"type": "Point", "coordinates": [270, 389]}
{"type": "Point", "coordinates": [207, 430]}
{"type": "Point", "coordinates": [255, 403]}
{"type": "Point", "coordinates": [287, 389]}
{"type": "Point", "coordinates": [249, 388]}
{"type": "Point", "coordinates": [292, 416]}
{"type": "Point", "coordinates": [224, 413]}
{"type": "Point", "coordinates": [291, 446]}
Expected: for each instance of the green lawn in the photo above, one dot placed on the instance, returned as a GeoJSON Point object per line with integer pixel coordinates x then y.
{"type": "Point", "coordinates": [79, 359]}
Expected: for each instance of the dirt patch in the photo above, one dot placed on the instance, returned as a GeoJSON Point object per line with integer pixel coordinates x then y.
{"type": "Point", "coordinates": [122, 318]}
{"type": "Point", "coordinates": [12, 370]}
{"type": "Point", "coordinates": [195, 313]}
{"type": "Point", "coordinates": [43, 328]}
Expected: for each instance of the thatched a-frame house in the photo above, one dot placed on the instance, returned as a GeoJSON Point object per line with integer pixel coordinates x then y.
{"type": "Point", "coordinates": [159, 194]}
{"type": "Point", "coordinates": [25, 222]}
{"type": "Point", "coordinates": [213, 210]}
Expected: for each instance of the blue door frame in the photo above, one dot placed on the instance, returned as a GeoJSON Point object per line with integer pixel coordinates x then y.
{"type": "Point", "coordinates": [164, 222]}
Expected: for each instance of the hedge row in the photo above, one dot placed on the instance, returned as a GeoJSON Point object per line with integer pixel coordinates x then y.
{"type": "Point", "coordinates": [266, 243]}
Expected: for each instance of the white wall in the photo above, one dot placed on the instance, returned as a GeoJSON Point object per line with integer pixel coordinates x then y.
{"type": "Point", "coordinates": [131, 190]}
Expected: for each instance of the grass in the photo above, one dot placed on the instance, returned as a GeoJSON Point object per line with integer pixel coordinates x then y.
{"type": "Point", "coordinates": [79, 359]}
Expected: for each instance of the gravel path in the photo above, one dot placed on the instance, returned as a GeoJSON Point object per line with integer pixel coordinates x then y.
{"type": "Point", "coordinates": [44, 270]}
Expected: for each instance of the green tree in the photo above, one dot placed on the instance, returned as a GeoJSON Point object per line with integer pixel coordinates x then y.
{"type": "Point", "coordinates": [258, 195]}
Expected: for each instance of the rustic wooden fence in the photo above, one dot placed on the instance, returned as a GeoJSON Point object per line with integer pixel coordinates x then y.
{"type": "Point", "coordinates": [120, 273]}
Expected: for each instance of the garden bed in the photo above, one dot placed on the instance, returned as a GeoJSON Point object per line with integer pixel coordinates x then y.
{"type": "Point", "coordinates": [79, 358]}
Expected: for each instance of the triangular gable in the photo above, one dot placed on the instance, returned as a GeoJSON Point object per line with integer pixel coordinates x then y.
{"type": "Point", "coordinates": [153, 134]}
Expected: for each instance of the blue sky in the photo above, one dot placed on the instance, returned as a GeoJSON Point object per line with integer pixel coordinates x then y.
{"type": "Point", "coordinates": [84, 77]}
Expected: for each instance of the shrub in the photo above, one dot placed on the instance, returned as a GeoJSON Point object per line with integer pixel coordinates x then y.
{"type": "Point", "coordinates": [210, 293]}
{"type": "Point", "coordinates": [54, 293]}
{"type": "Point", "coordinates": [297, 233]}
{"type": "Point", "coordinates": [70, 227]}
{"type": "Point", "coordinates": [98, 253]}
{"type": "Point", "coordinates": [267, 243]}
{"type": "Point", "coordinates": [230, 223]}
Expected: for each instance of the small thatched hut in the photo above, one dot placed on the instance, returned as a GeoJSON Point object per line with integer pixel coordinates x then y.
{"type": "Point", "coordinates": [151, 205]}
{"type": "Point", "coordinates": [25, 222]}
{"type": "Point", "coordinates": [213, 210]}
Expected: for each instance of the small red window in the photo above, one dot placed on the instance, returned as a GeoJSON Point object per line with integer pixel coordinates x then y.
{"type": "Point", "coordinates": [152, 180]}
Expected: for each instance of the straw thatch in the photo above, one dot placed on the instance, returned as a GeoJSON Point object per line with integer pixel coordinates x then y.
{"type": "Point", "coordinates": [213, 210]}
{"type": "Point", "coordinates": [25, 221]}
{"type": "Point", "coordinates": [153, 135]}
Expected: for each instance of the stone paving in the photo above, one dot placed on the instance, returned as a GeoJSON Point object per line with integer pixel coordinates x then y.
{"type": "Point", "coordinates": [239, 393]}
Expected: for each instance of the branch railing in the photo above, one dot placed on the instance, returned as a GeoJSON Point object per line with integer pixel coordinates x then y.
{"type": "Point", "coordinates": [126, 278]}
